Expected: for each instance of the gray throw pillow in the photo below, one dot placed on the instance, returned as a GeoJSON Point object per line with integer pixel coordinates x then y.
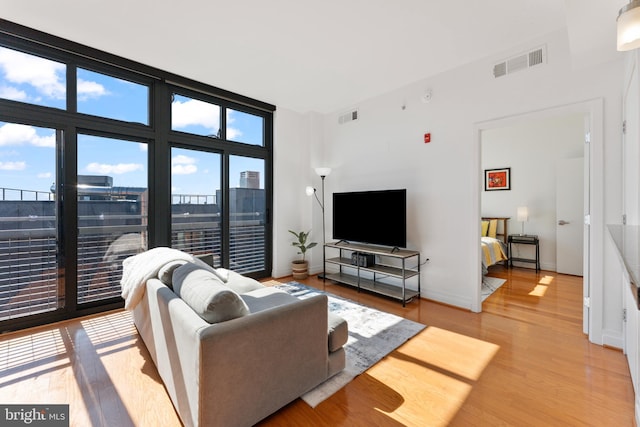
{"type": "Point", "coordinates": [165, 274]}
{"type": "Point", "coordinates": [206, 294]}
{"type": "Point", "coordinates": [239, 283]}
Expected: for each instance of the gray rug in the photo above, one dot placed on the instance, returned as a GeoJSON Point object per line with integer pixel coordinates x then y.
{"type": "Point", "coordinates": [372, 335]}
{"type": "Point", "coordinates": [490, 285]}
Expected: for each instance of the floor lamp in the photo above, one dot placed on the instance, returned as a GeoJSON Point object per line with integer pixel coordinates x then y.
{"type": "Point", "coordinates": [322, 172]}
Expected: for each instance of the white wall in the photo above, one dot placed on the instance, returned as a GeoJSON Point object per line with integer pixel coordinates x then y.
{"type": "Point", "coordinates": [298, 149]}
{"type": "Point", "coordinates": [532, 150]}
{"type": "Point", "coordinates": [292, 208]}
{"type": "Point", "coordinates": [385, 149]}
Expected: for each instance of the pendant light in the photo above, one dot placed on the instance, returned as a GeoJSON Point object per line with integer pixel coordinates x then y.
{"type": "Point", "coordinates": [629, 26]}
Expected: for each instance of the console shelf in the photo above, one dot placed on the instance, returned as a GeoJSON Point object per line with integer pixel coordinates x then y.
{"type": "Point", "coordinates": [379, 269]}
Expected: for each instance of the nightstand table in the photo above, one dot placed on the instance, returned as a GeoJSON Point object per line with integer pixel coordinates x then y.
{"type": "Point", "coordinates": [526, 239]}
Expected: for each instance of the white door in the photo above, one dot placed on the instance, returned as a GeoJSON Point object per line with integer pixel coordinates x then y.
{"type": "Point", "coordinates": [631, 154]}
{"type": "Point", "coordinates": [569, 216]}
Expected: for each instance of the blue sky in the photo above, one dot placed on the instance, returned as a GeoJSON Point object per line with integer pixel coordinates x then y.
{"type": "Point", "coordinates": [27, 153]}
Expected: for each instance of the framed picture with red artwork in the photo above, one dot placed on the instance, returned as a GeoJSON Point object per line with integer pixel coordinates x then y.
{"type": "Point", "coordinates": [497, 179]}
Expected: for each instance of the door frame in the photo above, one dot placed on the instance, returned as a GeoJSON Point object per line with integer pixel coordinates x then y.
{"type": "Point", "coordinates": [594, 178]}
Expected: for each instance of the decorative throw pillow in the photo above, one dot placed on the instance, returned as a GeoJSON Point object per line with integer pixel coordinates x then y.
{"type": "Point", "coordinates": [165, 274]}
{"type": "Point", "coordinates": [239, 283]}
{"type": "Point", "coordinates": [206, 258]}
{"type": "Point", "coordinates": [485, 228]}
{"type": "Point", "coordinates": [493, 228]}
{"type": "Point", "coordinates": [211, 299]}
{"type": "Point", "coordinates": [220, 273]}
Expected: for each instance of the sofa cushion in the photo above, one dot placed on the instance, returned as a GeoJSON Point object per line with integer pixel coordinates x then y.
{"type": "Point", "coordinates": [338, 332]}
{"type": "Point", "coordinates": [165, 274]}
{"type": "Point", "coordinates": [267, 298]}
{"type": "Point", "coordinates": [220, 273]}
{"type": "Point", "coordinates": [239, 283]}
{"type": "Point", "coordinates": [206, 294]}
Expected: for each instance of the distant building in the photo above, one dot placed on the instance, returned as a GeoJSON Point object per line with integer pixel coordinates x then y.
{"type": "Point", "coordinates": [250, 179]}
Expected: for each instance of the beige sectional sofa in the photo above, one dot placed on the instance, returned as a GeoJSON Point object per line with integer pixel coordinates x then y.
{"type": "Point", "coordinates": [249, 358]}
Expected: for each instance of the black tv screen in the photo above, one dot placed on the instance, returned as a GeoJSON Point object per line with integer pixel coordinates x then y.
{"type": "Point", "coordinates": [375, 217]}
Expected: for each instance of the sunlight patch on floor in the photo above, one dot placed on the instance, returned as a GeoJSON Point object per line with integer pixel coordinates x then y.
{"type": "Point", "coordinates": [28, 358]}
{"type": "Point", "coordinates": [448, 366]}
{"type": "Point", "coordinates": [541, 288]}
{"type": "Point", "coordinates": [30, 349]}
{"type": "Point", "coordinates": [539, 291]}
{"type": "Point", "coordinates": [106, 331]}
{"type": "Point", "coordinates": [546, 280]}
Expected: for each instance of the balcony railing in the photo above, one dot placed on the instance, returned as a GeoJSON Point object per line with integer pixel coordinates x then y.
{"type": "Point", "coordinates": [22, 195]}
{"type": "Point", "coordinates": [32, 281]}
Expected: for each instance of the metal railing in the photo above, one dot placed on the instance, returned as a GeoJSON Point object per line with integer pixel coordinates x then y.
{"type": "Point", "coordinates": [32, 281]}
{"type": "Point", "coordinates": [6, 193]}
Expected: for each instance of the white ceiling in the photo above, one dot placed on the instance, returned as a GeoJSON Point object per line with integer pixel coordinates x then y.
{"type": "Point", "coordinates": [323, 55]}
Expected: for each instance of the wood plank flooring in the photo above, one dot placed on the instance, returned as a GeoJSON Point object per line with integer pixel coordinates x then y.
{"type": "Point", "coordinates": [522, 362]}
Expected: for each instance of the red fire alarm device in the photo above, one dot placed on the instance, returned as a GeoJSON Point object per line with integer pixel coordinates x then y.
{"type": "Point", "coordinates": [427, 138]}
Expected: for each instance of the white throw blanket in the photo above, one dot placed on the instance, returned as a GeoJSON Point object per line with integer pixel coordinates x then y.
{"type": "Point", "coordinates": [137, 269]}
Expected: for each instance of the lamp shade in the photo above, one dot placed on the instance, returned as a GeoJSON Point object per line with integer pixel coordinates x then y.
{"type": "Point", "coordinates": [323, 171]}
{"type": "Point", "coordinates": [629, 26]}
{"type": "Point", "coordinates": [310, 190]}
{"type": "Point", "coordinates": [522, 214]}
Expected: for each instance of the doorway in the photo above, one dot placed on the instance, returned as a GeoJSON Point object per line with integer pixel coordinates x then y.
{"type": "Point", "coordinates": [592, 271]}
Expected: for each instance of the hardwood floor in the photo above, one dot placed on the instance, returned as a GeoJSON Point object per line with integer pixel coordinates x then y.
{"type": "Point", "coordinates": [522, 362]}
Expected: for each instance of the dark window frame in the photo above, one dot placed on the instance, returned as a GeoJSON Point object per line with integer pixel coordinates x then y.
{"type": "Point", "coordinates": [158, 133]}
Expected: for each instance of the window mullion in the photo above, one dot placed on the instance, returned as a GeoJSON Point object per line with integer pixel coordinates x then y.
{"type": "Point", "coordinates": [72, 88]}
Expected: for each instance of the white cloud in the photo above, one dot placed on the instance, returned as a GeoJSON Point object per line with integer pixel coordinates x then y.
{"type": "Point", "coordinates": [44, 175]}
{"type": "Point", "coordinates": [143, 147]}
{"type": "Point", "coordinates": [230, 118]}
{"type": "Point", "coordinates": [120, 168]}
{"type": "Point", "coordinates": [87, 90]}
{"type": "Point", "coordinates": [44, 75]}
{"type": "Point", "coordinates": [12, 166]}
{"type": "Point", "coordinates": [194, 112]}
{"type": "Point", "coordinates": [8, 92]}
{"type": "Point", "coordinates": [183, 165]}
{"type": "Point", "coordinates": [16, 134]}
{"type": "Point", "coordinates": [182, 159]}
{"type": "Point", "coordinates": [44, 141]}
{"type": "Point", "coordinates": [233, 133]}
{"type": "Point", "coordinates": [184, 169]}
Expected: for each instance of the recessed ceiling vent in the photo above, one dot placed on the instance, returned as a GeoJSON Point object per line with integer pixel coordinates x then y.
{"type": "Point", "coordinates": [348, 117]}
{"type": "Point", "coordinates": [520, 62]}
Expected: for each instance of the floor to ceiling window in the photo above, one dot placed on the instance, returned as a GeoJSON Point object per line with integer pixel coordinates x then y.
{"type": "Point", "coordinates": [30, 267]}
{"type": "Point", "coordinates": [247, 214]}
{"type": "Point", "coordinates": [112, 212]}
{"type": "Point", "coordinates": [104, 158]}
{"type": "Point", "coordinates": [196, 225]}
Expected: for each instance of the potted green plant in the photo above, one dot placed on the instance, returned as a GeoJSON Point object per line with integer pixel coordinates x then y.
{"type": "Point", "coordinates": [300, 267]}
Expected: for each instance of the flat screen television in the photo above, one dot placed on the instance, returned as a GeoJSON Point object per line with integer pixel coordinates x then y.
{"type": "Point", "coordinates": [374, 217]}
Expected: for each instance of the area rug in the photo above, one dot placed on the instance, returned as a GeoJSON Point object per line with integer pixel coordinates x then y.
{"type": "Point", "coordinates": [490, 285]}
{"type": "Point", "coordinates": [372, 335]}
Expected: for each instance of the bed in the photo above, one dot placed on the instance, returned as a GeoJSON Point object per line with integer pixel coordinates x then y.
{"type": "Point", "coordinates": [493, 241]}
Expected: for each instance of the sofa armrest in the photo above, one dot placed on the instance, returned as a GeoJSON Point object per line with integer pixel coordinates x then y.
{"type": "Point", "coordinates": [239, 371]}
{"type": "Point", "coordinates": [268, 358]}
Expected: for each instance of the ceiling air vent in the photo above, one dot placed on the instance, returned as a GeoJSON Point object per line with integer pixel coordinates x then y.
{"type": "Point", "coordinates": [520, 62]}
{"type": "Point", "coordinates": [348, 117]}
{"type": "Point", "coordinates": [500, 69]}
